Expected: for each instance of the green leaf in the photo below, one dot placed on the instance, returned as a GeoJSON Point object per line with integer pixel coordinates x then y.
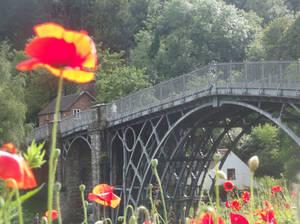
{"type": "Point", "coordinates": [28, 195]}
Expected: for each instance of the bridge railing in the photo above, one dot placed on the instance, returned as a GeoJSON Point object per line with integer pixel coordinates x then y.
{"type": "Point", "coordinates": [263, 74]}
{"type": "Point", "coordinates": [78, 122]}
{"type": "Point", "coordinates": [65, 125]}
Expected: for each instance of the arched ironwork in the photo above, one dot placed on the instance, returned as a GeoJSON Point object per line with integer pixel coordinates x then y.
{"type": "Point", "coordinates": [184, 140]}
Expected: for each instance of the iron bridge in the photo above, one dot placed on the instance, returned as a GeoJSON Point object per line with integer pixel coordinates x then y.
{"type": "Point", "coordinates": [183, 121]}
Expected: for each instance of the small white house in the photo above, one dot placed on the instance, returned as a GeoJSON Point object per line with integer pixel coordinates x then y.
{"type": "Point", "coordinates": [236, 170]}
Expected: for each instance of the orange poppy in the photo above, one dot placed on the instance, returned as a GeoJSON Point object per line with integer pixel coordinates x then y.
{"type": "Point", "coordinates": [63, 52]}
{"type": "Point", "coordinates": [103, 194]}
{"type": "Point", "coordinates": [13, 166]}
{"type": "Point", "coordinates": [228, 185]}
{"type": "Point", "coordinates": [206, 218]}
{"type": "Point", "coordinates": [238, 219]}
{"type": "Point", "coordinates": [54, 214]}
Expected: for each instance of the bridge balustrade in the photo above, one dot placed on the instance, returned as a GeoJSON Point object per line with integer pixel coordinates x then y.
{"type": "Point", "coordinates": [67, 125]}
{"type": "Point", "coordinates": [260, 75]}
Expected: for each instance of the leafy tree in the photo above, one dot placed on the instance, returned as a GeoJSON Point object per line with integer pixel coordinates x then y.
{"type": "Point", "coordinates": [291, 41]}
{"type": "Point", "coordinates": [263, 141]}
{"type": "Point", "coordinates": [189, 34]}
{"type": "Point", "coordinates": [268, 9]}
{"type": "Point", "coordinates": [273, 38]}
{"type": "Point", "coordinates": [13, 109]}
{"type": "Point", "coordinates": [116, 79]}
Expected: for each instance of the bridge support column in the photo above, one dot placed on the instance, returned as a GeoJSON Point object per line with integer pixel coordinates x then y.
{"type": "Point", "coordinates": [99, 151]}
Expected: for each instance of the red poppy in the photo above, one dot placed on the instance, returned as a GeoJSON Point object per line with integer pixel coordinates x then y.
{"type": "Point", "coordinates": [54, 214]}
{"type": "Point", "coordinates": [228, 185]}
{"type": "Point", "coordinates": [103, 194]}
{"type": "Point", "coordinates": [246, 196]}
{"type": "Point", "coordinates": [238, 219]}
{"type": "Point", "coordinates": [276, 189]}
{"type": "Point", "coordinates": [293, 193]}
{"type": "Point", "coordinates": [268, 216]}
{"type": "Point", "coordinates": [235, 205]}
{"type": "Point", "coordinates": [15, 167]}
{"type": "Point", "coordinates": [63, 52]}
{"type": "Point", "coordinates": [206, 218]}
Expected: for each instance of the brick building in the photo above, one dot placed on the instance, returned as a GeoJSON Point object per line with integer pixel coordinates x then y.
{"type": "Point", "coordinates": [70, 104]}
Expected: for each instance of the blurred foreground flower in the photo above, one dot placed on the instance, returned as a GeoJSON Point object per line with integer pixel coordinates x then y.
{"type": "Point", "coordinates": [63, 52]}
{"type": "Point", "coordinates": [13, 166]}
{"type": "Point", "coordinates": [206, 218]}
{"type": "Point", "coordinates": [238, 219]}
{"type": "Point", "coordinates": [54, 214]}
{"type": "Point", "coordinates": [103, 194]}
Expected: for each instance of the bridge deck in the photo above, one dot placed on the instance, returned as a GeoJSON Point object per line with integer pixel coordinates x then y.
{"type": "Point", "coordinates": [272, 78]}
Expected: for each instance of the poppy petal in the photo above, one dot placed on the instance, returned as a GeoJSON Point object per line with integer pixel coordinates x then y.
{"type": "Point", "coordinates": [238, 219]}
{"type": "Point", "coordinates": [51, 51]}
{"type": "Point", "coordinates": [49, 30]}
{"type": "Point", "coordinates": [85, 48]}
{"type": "Point", "coordinates": [102, 188]}
{"type": "Point", "coordinates": [28, 64]}
{"type": "Point", "coordinates": [15, 167]}
{"type": "Point", "coordinates": [77, 75]}
{"type": "Point", "coordinates": [10, 167]}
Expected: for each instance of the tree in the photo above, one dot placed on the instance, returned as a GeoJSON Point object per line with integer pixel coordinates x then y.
{"type": "Point", "coordinates": [291, 41]}
{"type": "Point", "coordinates": [115, 79]}
{"type": "Point", "coordinates": [13, 109]}
{"type": "Point", "coordinates": [187, 34]}
{"type": "Point", "coordinates": [263, 141]}
{"type": "Point", "coordinates": [273, 38]}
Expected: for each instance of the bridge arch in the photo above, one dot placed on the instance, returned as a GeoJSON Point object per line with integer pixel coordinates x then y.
{"type": "Point", "coordinates": [76, 169]}
{"type": "Point", "coordinates": [229, 111]}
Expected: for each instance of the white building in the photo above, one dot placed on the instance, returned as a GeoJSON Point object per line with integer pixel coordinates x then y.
{"type": "Point", "coordinates": [236, 170]}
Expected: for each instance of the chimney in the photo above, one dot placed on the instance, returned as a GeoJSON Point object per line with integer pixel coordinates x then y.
{"type": "Point", "coordinates": [89, 87]}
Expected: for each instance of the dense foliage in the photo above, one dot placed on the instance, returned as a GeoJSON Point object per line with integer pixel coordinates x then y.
{"type": "Point", "coordinates": [142, 42]}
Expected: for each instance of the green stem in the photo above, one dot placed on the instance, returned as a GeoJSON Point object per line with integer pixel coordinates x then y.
{"type": "Point", "coordinates": [84, 207]}
{"type": "Point", "coordinates": [145, 211]}
{"type": "Point", "coordinates": [251, 196]}
{"type": "Point", "coordinates": [16, 189]}
{"type": "Point", "coordinates": [162, 194]}
{"type": "Point", "coordinates": [217, 192]}
{"type": "Point", "coordinates": [125, 213]}
{"type": "Point", "coordinates": [104, 212]}
{"type": "Point", "coordinates": [107, 219]}
{"type": "Point", "coordinates": [58, 207]}
{"type": "Point", "coordinates": [53, 146]}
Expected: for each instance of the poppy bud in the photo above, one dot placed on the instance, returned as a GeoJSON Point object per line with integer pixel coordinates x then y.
{"type": "Point", "coordinates": [253, 163]}
{"type": "Point", "coordinates": [57, 153]}
{"type": "Point", "coordinates": [99, 222]}
{"type": "Point", "coordinates": [82, 187]}
{"type": "Point", "coordinates": [57, 186]}
{"type": "Point", "coordinates": [154, 162]}
{"type": "Point", "coordinates": [217, 157]}
{"type": "Point", "coordinates": [221, 174]}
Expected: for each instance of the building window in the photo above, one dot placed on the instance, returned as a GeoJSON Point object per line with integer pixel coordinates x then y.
{"type": "Point", "coordinates": [76, 113]}
{"type": "Point", "coordinates": [231, 174]}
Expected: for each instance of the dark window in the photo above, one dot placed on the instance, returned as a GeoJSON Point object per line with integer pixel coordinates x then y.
{"type": "Point", "coordinates": [231, 174]}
